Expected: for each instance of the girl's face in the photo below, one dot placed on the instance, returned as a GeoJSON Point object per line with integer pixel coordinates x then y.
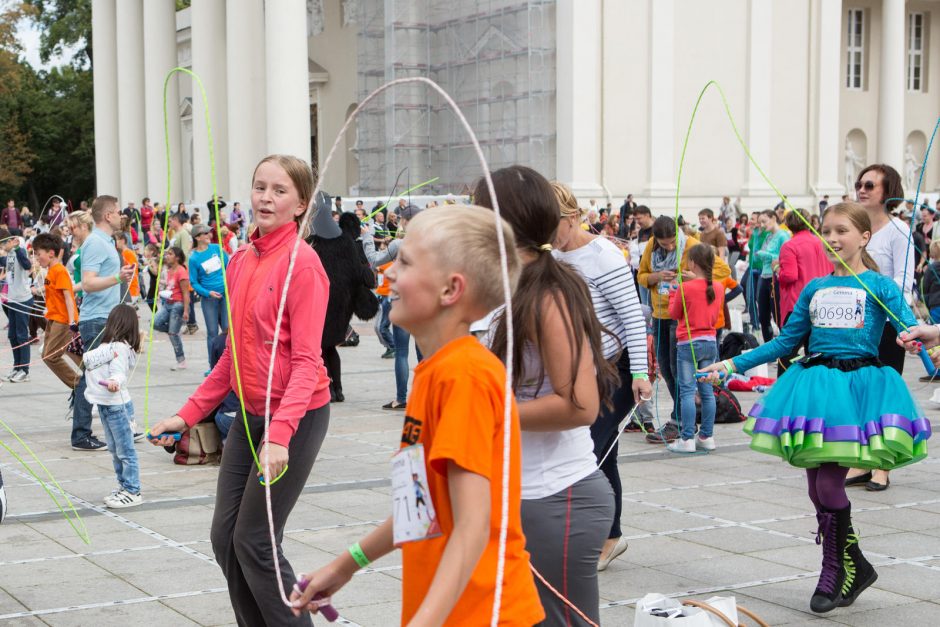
{"type": "Point", "coordinates": [79, 231]}
{"type": "Point", "coordinates": [567, 229]}
{"type": "Point", "coordinates": [766, 222]}
{"type": "Point", "coordinates": [415, 285]}
{"type": "Point", "coordinates": [871, 198]}
{"type": "Point", "coordinates": [926, 216]}
{"type": "Point", "coordinates": [274, 198]}
{"type": "Point", "coordinates": [843, 237]}
{"type": "Point", "coordinates": [666, 243]}
{"type": "Point", "coordinates": [169, 258]}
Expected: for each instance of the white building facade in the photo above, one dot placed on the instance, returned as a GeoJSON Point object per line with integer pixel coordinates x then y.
{"type": "Point", "coordinates": [595, 93]}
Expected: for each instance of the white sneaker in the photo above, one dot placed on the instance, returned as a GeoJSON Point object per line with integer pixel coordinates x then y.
{"type": "Point", "coordinates": [180, 365]}
{"type": "Point", "coordinates": [123, 499]}
{"type": "Point", "coordinates": [20, 376]}
{"type": "Point", "coordinates": [707, 444]}
{"type": "Point", "coordinates": [114, 493]}
{"type": "Point", "coordinates": [9, 375]}
{"type": "Point", "coordinates": [682, 446]}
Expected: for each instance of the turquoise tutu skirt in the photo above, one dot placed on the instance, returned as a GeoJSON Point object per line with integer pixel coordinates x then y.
{"type": "Point", "coordinates": [863, 418]}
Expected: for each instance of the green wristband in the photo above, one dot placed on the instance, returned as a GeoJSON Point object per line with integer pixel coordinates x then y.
{"type": "Point", "coordinates": [359, 556]}
{"type": "Point", "coordinates": [727, 363]}
{"type": "Point", "coordinates": [117, 277]}
{"type": "Point", "coordinates": [641, 376]}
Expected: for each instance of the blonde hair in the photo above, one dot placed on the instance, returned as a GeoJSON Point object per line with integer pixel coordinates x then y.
{"type": "Point", "coordinates": [859, 218]}
{"type": "Point", "coordinates": [567, 203]}
{"type": "Point", "coordinates": [935, 249]}
{"type": "Point", "coordinates": [301, 176]}
{"type": "Point", "coordinates": [463, 237]}
{"type": "Point", "coordinates": [81, 218]}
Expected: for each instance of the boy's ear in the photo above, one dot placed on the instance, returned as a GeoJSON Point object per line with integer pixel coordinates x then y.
{"type": "Point", "coordinates": [454, 289]}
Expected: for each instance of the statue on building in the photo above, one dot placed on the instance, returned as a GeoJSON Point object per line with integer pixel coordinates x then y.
{"type": "Point", "coordinates": [912, 170]}
{"type": "Point", "coordinates": [852, 163]}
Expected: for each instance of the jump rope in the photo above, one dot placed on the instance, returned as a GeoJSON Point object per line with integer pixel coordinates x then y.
{"type": "Point", "coordinates": [508, 394]}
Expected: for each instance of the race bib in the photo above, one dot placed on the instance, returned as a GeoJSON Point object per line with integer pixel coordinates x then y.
{"type": "Point", "coordinates": [412, 510]}
{"type": "Point", "coordinates": [838, 308]}
{"type": "Point", "coordinates": [212, 264]}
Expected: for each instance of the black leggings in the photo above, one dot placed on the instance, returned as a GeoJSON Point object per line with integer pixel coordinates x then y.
{"type": "Point", "coordinates": [767, 291]}
{"type": "Point", "coordinates": [604, 432]}
{"type": "Point", "coordinates": [334, 367]}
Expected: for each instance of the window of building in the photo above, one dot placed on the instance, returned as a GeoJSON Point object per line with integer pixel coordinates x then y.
{"type": "Point", "coordinates": [855, 49]}
{"type": "Point", "coordinates": [916, 43]}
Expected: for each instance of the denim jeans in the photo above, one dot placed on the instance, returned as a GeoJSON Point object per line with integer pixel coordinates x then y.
{"type": "Point", "coordinates": [169, 320]}
{"type": "Point", "coordinates": [18, 332]}
{"type": "Point", "coordinates": [402, 371]}
{"type": "Point", "coordinates": [117, 432]}
{"type": "Point", "coordinates": [750, 295]}
{"type": "Point", "coordinates": [706, 352]}
{"type": "Point", "coordinates": [664, 335]}
{"type": "Point", "coordinates": [91, 331]}
{"type": "Point", "coordinates": [215, 314]}
{"type": "Point", "coordinates": [384, 328]}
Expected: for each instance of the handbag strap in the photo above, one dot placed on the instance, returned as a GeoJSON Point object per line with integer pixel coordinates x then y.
{"type": "Point", "coordinates": [709, 608]}
{"type": "Point", "coordinates": [757, 619]}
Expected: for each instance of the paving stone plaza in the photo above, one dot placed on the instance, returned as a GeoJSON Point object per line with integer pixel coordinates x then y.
{"type": "Point", "coordinates": [730, 522]}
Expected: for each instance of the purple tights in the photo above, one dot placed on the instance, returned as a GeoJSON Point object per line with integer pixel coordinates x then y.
{"type": "Point", "coordinates": [827, 486]}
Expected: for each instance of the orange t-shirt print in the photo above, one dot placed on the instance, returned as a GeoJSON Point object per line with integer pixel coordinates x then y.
{"type": "Point", "coordinates": [57, 283]}
{"type": "Point", "coordinates": [456, 412]}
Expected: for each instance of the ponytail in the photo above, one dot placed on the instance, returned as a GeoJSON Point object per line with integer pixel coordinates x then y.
{"type": "Point", "coordinates": [703, 256]}
{"type": "Point", "coordinates": [869, 262]}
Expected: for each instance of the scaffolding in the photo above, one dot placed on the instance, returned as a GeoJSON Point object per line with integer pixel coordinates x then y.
{"type": "Point", "coordinates": [496, 58]}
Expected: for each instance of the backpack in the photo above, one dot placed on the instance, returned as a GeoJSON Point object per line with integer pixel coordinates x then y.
{"type": "Point", "coordinates": [733, 344]}
{"type": "Point", "coordinates": [200, 445]}
{"type": "Point", "coordinates": [727, 407]}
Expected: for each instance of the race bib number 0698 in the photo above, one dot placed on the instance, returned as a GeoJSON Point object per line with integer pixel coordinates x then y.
{"type": "Point", "coordinates": [838, 308]}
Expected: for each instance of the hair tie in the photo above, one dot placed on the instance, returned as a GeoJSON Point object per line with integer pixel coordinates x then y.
{"type": "Point", "coordinates": [546, 247]}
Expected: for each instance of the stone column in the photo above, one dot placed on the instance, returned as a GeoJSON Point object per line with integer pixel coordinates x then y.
{"type": "Point", "coordinates": [287, 78]}
{"type": "Point", "coordinates": [828, 85]}
{"type": "Point", "coordinates": [246, 96]}
{"type": "Point", "coordinates": [107, 160]}
{"type": "Point", "coordinates": [578, 102]}
{"type": "Point", "coordinates": [662, 115]}
{"type": "Point", "coordinates": [208, 44]}
{"type": "Point", "coordinates": [160, 58]}
{"type": "Point", "coordinates": [132, 144]}
{"type": "Point", "coordinates": [891, 90]}
{"type": "Point", "coordinates": [759, 94]}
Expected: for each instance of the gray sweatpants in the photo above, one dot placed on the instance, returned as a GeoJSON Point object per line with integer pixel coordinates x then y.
{"type": "Point", "coordinates": [240, 537]}
{"type": "Point", "coordinates": [565, 533]}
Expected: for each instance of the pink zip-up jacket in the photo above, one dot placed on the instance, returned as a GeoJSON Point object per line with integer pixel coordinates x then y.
{"type": "Point", "coordinates": [802, 259]}
{"type": "Point", "coordinates": [256, 278]}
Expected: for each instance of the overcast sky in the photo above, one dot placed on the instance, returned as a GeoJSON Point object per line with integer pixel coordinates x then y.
{"type": "Point", "coordinates": [28, 34]}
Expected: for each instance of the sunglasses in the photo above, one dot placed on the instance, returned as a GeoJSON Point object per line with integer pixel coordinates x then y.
{"type": "Point", "coordinates": [868, 185]}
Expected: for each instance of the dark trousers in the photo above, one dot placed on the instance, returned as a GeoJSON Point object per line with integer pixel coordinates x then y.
{"type": "Point", "coordinates": [334, 367]}
{"type": "Point", "coordinates": [604, 432]}
{"type": "Point", "coordinates": [19, 313]}
{"type": "Point", "coordinates": [240, 536]}
{"type": "Point", "coordinates": [888, 350]}
{"type": "Point", "coordinates": [767, 304]}
{"type": "Point", "coordinates": [91, 331]}
{"type": "Point", "coordinates": [664, 334]}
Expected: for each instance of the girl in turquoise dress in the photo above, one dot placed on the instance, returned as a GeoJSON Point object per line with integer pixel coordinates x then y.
{"type": "Point", "coordinates": [839, 407]}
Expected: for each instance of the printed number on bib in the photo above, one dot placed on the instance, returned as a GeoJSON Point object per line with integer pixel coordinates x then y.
{"type": "Point", "coordinates": [212, 264]}
{"type": "Point", "coordinates": [412, 510]}
{"type": "Point", "coordinates": [838, 308]}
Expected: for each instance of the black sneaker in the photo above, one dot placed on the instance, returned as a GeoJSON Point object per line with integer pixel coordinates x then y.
{"type": "Point", "coordinates": [91, 443]}
{"type": "Point", "coordinates": [389, 354]}
{"type": "Point", "coordinates": [3, 500]}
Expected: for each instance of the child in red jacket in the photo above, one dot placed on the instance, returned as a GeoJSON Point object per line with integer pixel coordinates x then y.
{"type": "Point", "coordinates": [696, 304]}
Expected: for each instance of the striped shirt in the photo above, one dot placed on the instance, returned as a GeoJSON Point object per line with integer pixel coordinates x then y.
{"type": "Point", "coordinates": [616, 303]}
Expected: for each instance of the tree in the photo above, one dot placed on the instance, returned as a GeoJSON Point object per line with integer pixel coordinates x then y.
{"type": "Point", "coordinates": [65, 25]}
{"type": "Point", "coordinates": [16, 156]}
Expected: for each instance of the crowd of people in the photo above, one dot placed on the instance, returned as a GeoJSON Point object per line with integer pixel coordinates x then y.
{"type": "Point", "coordinates": [604, 303]}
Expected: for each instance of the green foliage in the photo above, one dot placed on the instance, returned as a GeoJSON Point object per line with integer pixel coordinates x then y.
{"type": "Point", "coordinates": [182, 4]}
{"type": "Point", "coordinates": [46, 116]}
{"type": "Point", "coordinates": [65, 24]}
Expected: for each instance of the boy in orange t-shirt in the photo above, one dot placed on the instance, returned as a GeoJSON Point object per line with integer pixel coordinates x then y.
{"type": "Point", "coordinates": [61, 314]}
{"type": "Point", "coordinates": [447, 476]}
{"type": "Point", "coordinates": [129, 257]}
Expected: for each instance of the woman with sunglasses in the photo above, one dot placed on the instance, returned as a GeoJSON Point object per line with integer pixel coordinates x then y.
{"type": "Point", "coordinates": [878, 188]}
